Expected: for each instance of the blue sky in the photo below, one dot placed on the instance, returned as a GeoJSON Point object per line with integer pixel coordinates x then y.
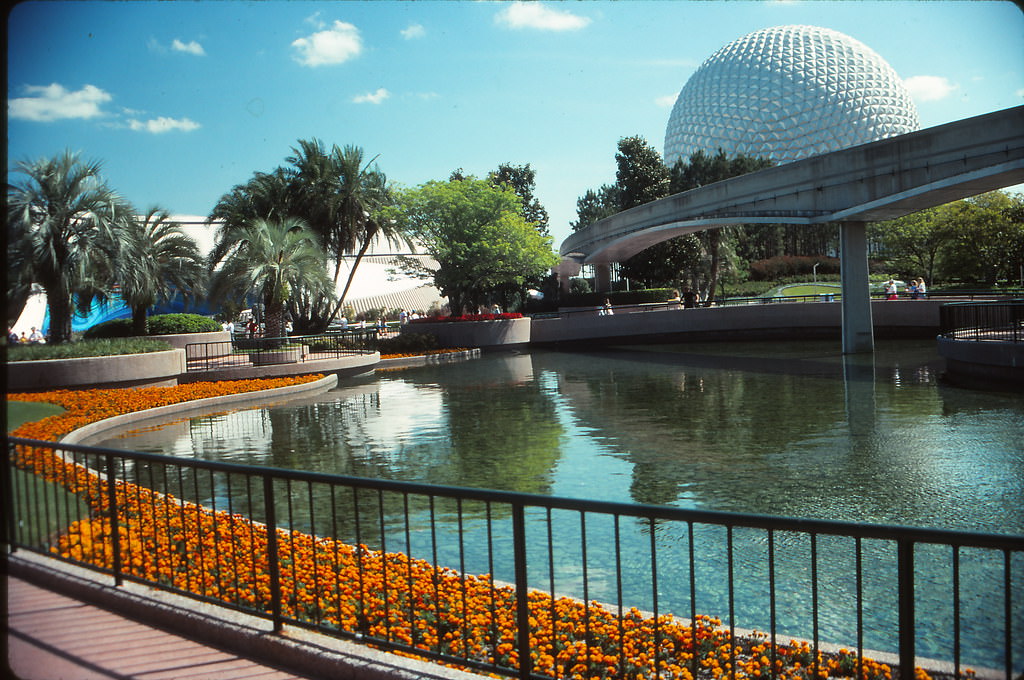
{"type": "Point", "coordinates": [183, 100]}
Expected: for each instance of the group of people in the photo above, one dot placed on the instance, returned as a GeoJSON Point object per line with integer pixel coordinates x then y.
{"type": "Point", "coordinates": [35, 337]}
{"type": "Point", "coordinates": [915, 289]}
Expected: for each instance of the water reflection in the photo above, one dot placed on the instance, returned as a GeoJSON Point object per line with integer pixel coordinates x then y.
{"type": "Point", "coordinates": [772, 428]}
{"type": "Point", "coordinates": [784, 429]}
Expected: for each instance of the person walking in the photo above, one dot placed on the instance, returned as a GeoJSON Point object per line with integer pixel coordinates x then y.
{"type": "Point", "coordinates": [890, 290]}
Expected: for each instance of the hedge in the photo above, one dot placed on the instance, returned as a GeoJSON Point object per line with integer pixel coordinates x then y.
{"type": "Point", "coordinates": [626, 297]}
{"type": "Point", "coordinates": [161, 324]}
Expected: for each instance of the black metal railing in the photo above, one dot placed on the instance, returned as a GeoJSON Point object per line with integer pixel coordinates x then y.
{"type": "Point", "coordinates": [722, 301]}
{"type": "Point", "coordinates": [524, 585]}
{"type": "Point", "coordinates": [998, 321]}
{"type": "Point", "coordinates": [242, 351]}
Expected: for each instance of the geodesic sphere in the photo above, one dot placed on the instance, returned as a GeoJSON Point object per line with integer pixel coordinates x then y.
{"type": "Point", "coordinates": [786, 93]}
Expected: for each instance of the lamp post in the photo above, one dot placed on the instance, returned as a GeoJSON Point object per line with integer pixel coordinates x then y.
{"type": "Point", "coordinates": [814, 271]}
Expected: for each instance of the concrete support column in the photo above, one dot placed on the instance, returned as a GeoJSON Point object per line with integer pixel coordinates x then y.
{"type": "Point", "coordinates": [602, 277]}
{"type": "Point", "coordinates": [563, 283]}
{"type": "Point", "coordinates": [858, 331]}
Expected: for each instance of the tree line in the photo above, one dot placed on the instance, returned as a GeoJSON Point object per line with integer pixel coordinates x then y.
{"type": "Point", "coordinates": [979, 240]}
{"type": "Point", "coordinates": [281, 239]}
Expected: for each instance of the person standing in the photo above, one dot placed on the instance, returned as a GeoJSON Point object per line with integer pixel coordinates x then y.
{"type": "Point", "coordinates": [922, 290]}
{"type": "Point", "coordinates": [690, 298]}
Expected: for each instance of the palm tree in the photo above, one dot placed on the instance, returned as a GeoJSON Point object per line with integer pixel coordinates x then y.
{"type": "Point", "coordinates": [343, 199]}
{"type": "Point", "coordinates": [60, 222]}
{"type": "Point", "coordinates": [155, 259]}
{"type": "Point", "coordinates": [268, 196]}
{"type": "Point", "coordinates": [363, 194]}
{"type": "Point", "coordinates": [338, 195]}
{"type": "Point", "coordinates": [272, 259]}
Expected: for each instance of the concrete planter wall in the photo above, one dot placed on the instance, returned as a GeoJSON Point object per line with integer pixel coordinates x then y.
{"type": "Point", "coordinates": [93, 432]}
{"type": "Point", "coordinates": [124, 370]}
{"type": "Point", "coordinates": [986, 364]}
{"type": "Point", "coordinates": [279, 356]}
{"type": "Point", "coordinates": [484, 334]}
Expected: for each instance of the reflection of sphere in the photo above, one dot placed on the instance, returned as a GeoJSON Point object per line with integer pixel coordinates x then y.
{"type": "Point", "coordinates": [787, 93]}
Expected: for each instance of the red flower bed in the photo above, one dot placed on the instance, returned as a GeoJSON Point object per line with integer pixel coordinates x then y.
{"type": "Point", "coordinates": [470, 317]}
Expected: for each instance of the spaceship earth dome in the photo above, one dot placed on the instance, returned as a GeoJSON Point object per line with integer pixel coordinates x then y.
{"type": "Point", "coordinates": [786, 93]}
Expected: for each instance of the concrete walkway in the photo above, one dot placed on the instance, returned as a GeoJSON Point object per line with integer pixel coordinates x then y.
{"type": "Point", "coordinates": [53, 637]}
{"type": "Point", "coordinates": [69, 623]}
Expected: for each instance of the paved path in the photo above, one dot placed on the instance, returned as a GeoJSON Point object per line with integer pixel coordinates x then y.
{"type": "Point", "coordinates": [53, 637]}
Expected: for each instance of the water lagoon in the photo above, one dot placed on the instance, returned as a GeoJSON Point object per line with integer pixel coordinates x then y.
{"type": "Point", "coordinates": [788, 429]}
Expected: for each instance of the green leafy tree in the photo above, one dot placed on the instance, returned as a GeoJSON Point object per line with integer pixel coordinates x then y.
{"type": "Point", "coordinates": [596, 205]}
{"type": "Point", "coordinates": [987, 242]}
{"type": "Point", "coordinates": [273, 259]}
{"type": "Point", "coordinates": [523, 180]}
{"type": "Point", "coordinates": [702, 169]}
{"type": "Point", "coordinates": [663, 264]}
{"type": "Point", "coordinates": [154, 260]}
{"type": "Point", "coordinates": [60, 220]}
{"type": "Point", "coordinates": [477, 236]}
{"type": "Point", "coordinates": [641, 175]}
{"type": "Point", "coordinates": [914, 244]}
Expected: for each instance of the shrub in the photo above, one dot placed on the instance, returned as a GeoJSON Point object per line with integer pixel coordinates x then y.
{"type": "Point", "coordinates": [161, 324]}
{"type": "Point", "coordinates": [407, 343]}
{"type": "Point", "coordinates": [775, 268]}
{"type": "Point", "coordinates": [116, 328]}
{"type": "Point", "coordinates": [174, 324]}
{"type": "Point", "coordinates": [579, 286]}
{"type": "Point", "coordinates": [100, 347]}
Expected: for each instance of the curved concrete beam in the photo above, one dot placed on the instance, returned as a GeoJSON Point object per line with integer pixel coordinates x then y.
{"type": "Point", "coordinates": [877, 181]}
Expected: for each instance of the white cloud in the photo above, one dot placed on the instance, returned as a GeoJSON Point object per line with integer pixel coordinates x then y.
{"type": "Point", "coordinates": [47, 103]}
{"type": "Point", "coordinates": [373, 97]}
{"type": "Point", "coordinates": [315, 20]}
{"type": "Point", "coordinates": [535, 15]}
{"type": "Point", "coordinates": [163, 124]}
{"type": "Point", "coordinates": [929, 88]}
{"type": "Point", "coordinates": [334, 45]}
{"type": "Point", "coordinates": [414, 31]}
{"type": "Point", "coordinates": [191, 47]}
{"type": "Point", "coordinates": [666, 101]}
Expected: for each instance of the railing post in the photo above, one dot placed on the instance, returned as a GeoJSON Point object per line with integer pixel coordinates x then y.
{"type": "Point", "coordinates": [115, 527]}
{"type": "Point", "coordinates": [273, 562]}
{"type": "Point", "coordinates": [8, 489]}
{"type": "Point", "coordinates": [522, 586]}
{"type": "Point", "coordinates": [905, 579]}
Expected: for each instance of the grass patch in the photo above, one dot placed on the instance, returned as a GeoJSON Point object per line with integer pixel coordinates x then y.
{"type": "Point", "coordinates": [809, 289]}
{"type": "Point", "coordinates": [19, 412]}
{"type": "Point", "coordinates": [86, 348]}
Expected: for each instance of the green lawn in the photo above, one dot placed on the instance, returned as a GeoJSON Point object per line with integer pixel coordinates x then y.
{"type": "Point", "coordinates": [19, 412]}
{"type": "Point", "coordinates": [808, 289]}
